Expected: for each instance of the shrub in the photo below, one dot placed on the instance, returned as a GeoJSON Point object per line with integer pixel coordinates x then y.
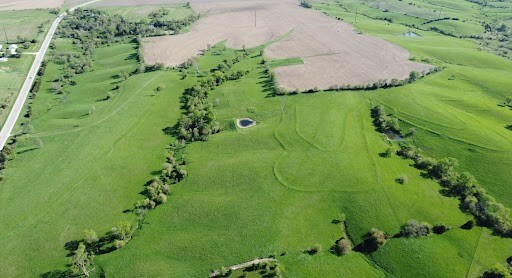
{"type": "Point", "coordinates": [315, 249]}
{"type": "Point", "coordinates": [375, 239]}
{"type": "Point", "coordinates": [342, 247]}
{"type": "Point", "coordinates": [415, 229]}
{"type": "Point", "coordinates": [160, 87]}
{"type": "Point", "coordinates": [497, 271]}
{"type": "Point", "coordinates": [441, 228]}
{"type": "Point", "coordinates": [402, 179]}
{"type": "Point", "coordinates": [468, 225]}
{"type": "Point", "coordinates": [388, 152]}
{"type": "Point", "coordinates": [119, 243]}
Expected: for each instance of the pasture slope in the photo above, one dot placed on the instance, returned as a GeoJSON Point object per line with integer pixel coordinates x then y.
{"type": "Point", "coordinates": [271, 189]}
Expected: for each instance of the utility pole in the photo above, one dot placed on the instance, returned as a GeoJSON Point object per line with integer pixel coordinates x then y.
{"type": "Point", "coordinates": [356, 16]}
{"type": "Point", "coordinates": [5, 32]}
{"type": "Point", "coordinates": [254, 18]}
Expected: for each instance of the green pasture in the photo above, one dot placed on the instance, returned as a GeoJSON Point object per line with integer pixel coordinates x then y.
{"type": "Point", "coordinates": [274, 189]}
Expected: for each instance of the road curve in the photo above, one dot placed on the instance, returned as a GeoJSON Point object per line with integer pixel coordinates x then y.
{"type": "Point", "coordinates": [9, 124]}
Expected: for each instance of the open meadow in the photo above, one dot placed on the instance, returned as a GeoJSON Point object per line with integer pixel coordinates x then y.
{"type": "Point", "coordinates": [312, 171]}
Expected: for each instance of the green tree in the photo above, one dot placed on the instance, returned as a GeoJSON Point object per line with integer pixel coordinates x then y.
{"type": "Point", "coordinates": [342, 247]}
{"type": "Point", "coordinates": [90, 237]}
{"type": "Point", "coordinates": [497, 271]}
{"type": "Point", "coordinates": [83, 260]}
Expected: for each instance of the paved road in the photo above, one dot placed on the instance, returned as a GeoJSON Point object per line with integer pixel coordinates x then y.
{"type": "Point", "coordinates": [5, 133]}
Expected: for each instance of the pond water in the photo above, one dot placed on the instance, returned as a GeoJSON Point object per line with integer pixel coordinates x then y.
{"type": "Point", "coordinates": [244, 123]}
{"type": "Point", "coordinates": [410, 34]}
{"type": "Point", "coordinates": [394, 136]}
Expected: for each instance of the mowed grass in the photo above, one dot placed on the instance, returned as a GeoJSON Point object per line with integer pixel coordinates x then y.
{"type": "Point", "coordinates": [25, 24]}
{"type": "Point", "coordinates": [90, 168]}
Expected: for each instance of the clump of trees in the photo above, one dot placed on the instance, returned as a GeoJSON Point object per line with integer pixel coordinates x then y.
{"type": "Point", "coordinates": [464, 186]}
{"type": "Point", "coordinates": [198, 120]}
{"type": "Point", "coordinates": [498, 271]}
{"type": "Point", "coordinates": [374, 239]}
{"type": "Point", "coordinates": [413, 228]}
{"type": "Point", "coordinates": [384, 122]}
{"type": "Point", "coordinates": [83, 260]}
{"type": "Point", "coordinates": [7, 152]}
{"type": "Point", "coordinates": [342, 247]}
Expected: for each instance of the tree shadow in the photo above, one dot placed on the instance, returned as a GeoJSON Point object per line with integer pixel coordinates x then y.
{"type": "Point", "coordinates": [27, 150]}
{"type": "Point", "coordinates": [509, 127]}
{"type": "Point", "coordinates": [59, 274]}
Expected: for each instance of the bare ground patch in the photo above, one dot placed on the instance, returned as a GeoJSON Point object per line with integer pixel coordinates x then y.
{"type": "Point", "coordinates": [7, 5]}
{"type": "Point", "coordinates": [333, 53]}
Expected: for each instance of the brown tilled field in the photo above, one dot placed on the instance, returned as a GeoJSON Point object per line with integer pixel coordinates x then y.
{"type": "Point", "coordinates": [333, 53]}
{"type": "Point", "coordinates": [7, 5]}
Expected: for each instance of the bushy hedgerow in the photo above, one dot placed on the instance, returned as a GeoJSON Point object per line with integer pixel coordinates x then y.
{"type": "Point", "coordinates": [413, 228]}
{"type": "Point", "coordinates": [384, 122]}
{"type": "Point", "coordinates": [464, 186]}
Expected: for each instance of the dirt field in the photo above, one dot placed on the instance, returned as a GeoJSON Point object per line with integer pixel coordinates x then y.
{"type": "Point", "coordinates": [333, 53]}
{"type": "Point", "coordinates": [7, 5]}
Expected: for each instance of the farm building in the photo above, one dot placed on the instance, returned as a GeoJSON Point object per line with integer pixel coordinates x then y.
{"type": "Point", "coordinates": [13, 48]}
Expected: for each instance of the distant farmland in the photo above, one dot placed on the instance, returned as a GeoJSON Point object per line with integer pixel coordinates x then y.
{"type": "Point", "coordinates": [333, 54]}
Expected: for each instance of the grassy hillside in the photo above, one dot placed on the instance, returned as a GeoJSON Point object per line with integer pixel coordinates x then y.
{"type": "Point", "coordinates": [277, 188]}
{"type": "Point", "coordinates": [91, 165]}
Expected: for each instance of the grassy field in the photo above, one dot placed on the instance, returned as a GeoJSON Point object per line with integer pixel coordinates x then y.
{"type": "Point", "coordinates": [273, 189]}
{"type": "Point", "coordinates": [12, 76]}
{"type": "Point", "coordinates": [29, 24]}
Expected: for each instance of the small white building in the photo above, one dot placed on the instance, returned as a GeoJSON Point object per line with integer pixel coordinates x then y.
{"type": "Point", "coordinates": [1, 47]}
{"type": "Point", "coordinates": [3, 60]}
{"type": "Point", "coordinates": [13, 48]}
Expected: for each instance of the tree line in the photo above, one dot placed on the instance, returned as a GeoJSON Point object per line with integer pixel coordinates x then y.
{"type": "Point", "coordinates": [197, 122]}
{"type": "Point", "coordinates": [474, 199]}
{"type": "Point", "coordinates": [199, 114]}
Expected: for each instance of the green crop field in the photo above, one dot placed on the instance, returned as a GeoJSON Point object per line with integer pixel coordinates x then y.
{"type": "Point", "coordinates": [309, 173]}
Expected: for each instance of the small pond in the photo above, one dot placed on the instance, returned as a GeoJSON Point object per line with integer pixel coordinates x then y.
{"type": "Point", "coordinates": [394, 136]}
{"type": "Point", "coordinates": [410, 34]}
{"type": "Point", "coordinates": [246, 122]}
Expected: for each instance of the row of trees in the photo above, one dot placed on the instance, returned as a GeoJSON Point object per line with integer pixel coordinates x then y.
{"type": "Point", "coordinates": [198, 120]}
{"type": "Point", "coordinates": [383, 83]}
{"type": "Point", "coordinates": [98, 27]}
{"type": "Point", "coordinates": [464, 186]}
{"type": "Point", "coordinates": [413, 228]}
{"type": "Point", "coordinates": [384, 122]}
